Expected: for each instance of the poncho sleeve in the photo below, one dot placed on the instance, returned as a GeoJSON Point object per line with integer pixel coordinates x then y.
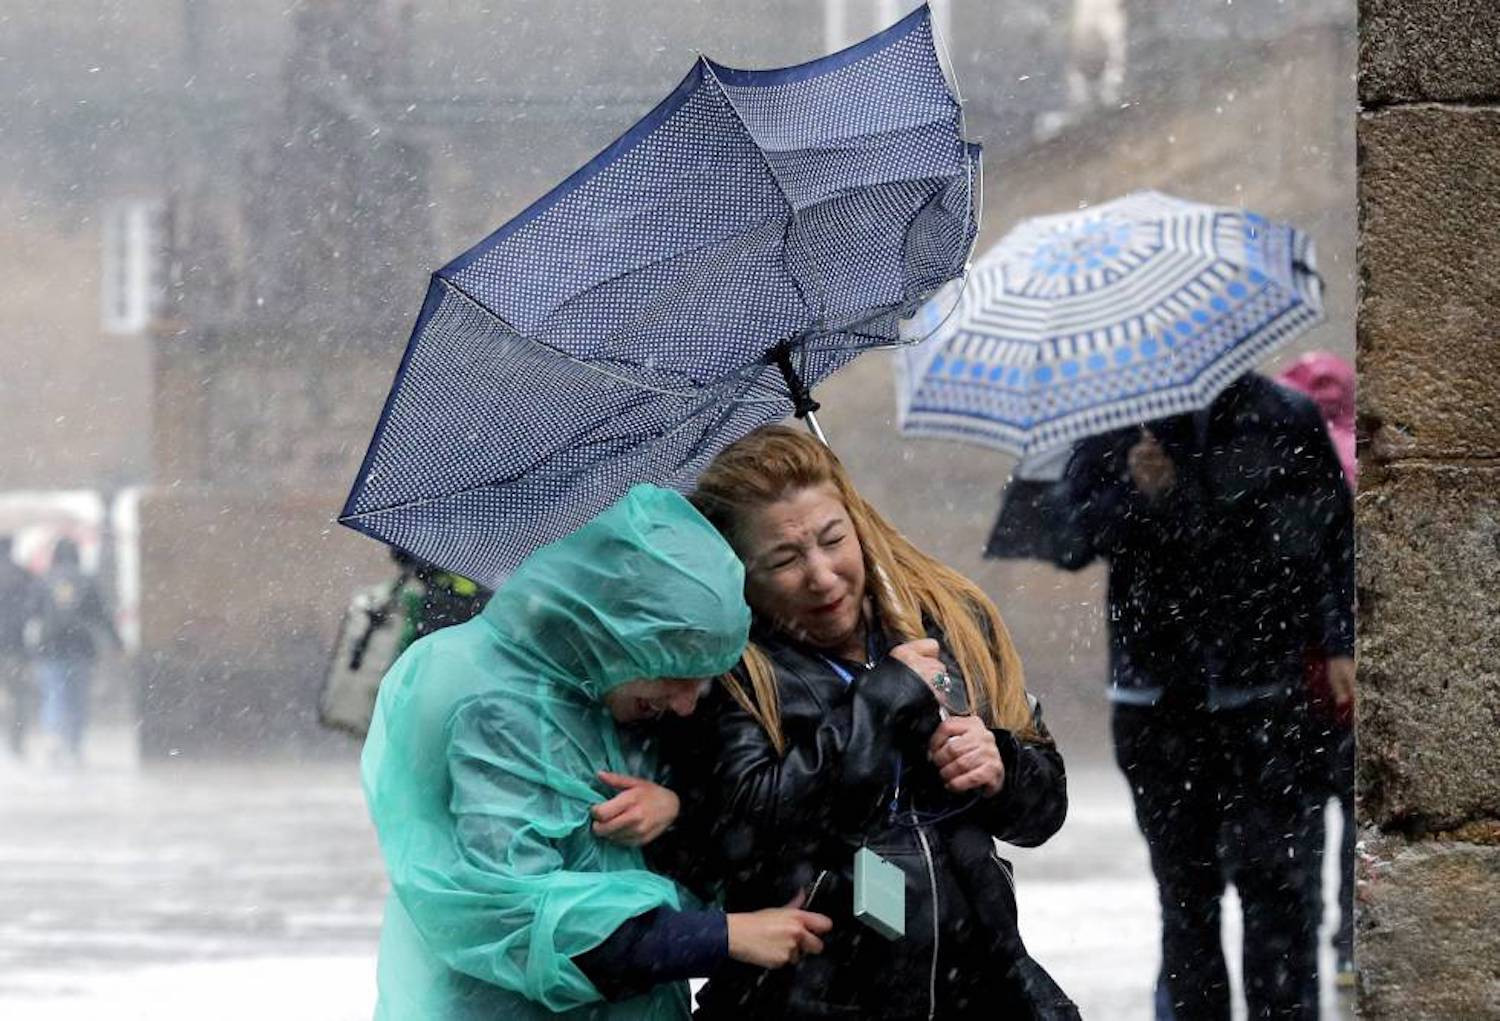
{"type": "Point", "coordinates": [522, 886]}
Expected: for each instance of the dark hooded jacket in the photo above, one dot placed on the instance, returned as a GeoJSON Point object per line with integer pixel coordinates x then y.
{"type": "Point", "coordinates": [1217, 587]}
{"type": "Point", "coordinates": [68, 617]}
{"type": "Point", "coordinates": [788, 823]}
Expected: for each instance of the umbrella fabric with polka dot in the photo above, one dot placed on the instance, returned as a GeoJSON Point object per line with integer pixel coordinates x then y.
{"type": "Point", "coordinates": [1081, 323]}
{"type": "Point", "coordinates": [750, 235]}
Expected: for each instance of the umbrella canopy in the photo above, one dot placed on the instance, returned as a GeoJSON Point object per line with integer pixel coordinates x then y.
{"type": "Point", "coordinates": [1081, 323]}
{"type": "Point", "coordinates": [749, 236]}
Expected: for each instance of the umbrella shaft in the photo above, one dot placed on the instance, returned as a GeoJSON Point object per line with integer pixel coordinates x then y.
{"type": "Point", "coordinates": [802, 403]}
{"type": "Point", "coordinates": [813, 427]}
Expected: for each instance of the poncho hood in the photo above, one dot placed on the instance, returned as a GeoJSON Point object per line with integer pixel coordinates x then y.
{"type": "Point", "coordinates": [647, 589]}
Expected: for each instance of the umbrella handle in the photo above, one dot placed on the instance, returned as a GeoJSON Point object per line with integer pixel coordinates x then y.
{"type": "Point", "coordinates": [803, 405]}
{"type": "Point", "coordinates": [802, 401]}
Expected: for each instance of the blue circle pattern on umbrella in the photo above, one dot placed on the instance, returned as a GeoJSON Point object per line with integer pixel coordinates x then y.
{"type": "Point", "coordinates": [618, 330]}
{"type": "Point", "coordinates": [1080, 323]}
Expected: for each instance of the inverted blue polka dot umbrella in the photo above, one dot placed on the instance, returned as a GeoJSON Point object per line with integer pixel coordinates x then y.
{"type": "Point", "coordinates": [1085, 322]}
{"type": "Point", "coordinates": [752, 234]}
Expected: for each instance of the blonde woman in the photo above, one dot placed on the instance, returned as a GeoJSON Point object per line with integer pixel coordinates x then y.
{"type": "Point", "coordinates": [879, 712]}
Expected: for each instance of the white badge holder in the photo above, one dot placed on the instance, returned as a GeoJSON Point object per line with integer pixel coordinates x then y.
{"type": "Point", "coordinates": [879, 894]}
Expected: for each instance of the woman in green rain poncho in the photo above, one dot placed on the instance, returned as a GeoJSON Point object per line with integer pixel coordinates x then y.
{"type": "Point", "coordinates": [518, 884]}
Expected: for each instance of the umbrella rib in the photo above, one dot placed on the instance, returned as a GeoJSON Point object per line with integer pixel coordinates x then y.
{"type": "Point", "coordinates": [748, 377]}
{"type": "Point", "coordinates": [422, 501]}
{"type": "Point", "coordinates": [692, 412]}
{"type": "Point", "coordinates": [736, 238]}
{"type": "Point", "coordinates": [786, 197]}
{"type": "Point", "coordinates": [582, 363]}
{"type": "Point", "coordinates": [740, 241]}
{"type": "Point", "coordinates": [880, 343]}
{"type": "Point", "coordinates": [745, 127]}
{"type": "Point", "coordinates": [592, 366]}
{"type": "Point", "coordinates": [425, 501]}
{"type": "Point", "coordinates": [724, 413]}
{"type": "Point", "coordinates": [885, 343]}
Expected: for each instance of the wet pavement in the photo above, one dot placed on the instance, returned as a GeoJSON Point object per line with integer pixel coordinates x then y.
{"type": "Point", "coordinates": [178, 890]}
{"type": "Point", "coordinates": [186, 891]}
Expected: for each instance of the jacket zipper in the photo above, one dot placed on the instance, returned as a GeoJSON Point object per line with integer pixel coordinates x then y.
{"type": "Point", "coordinates": [1010, 880]}
{"type": "Point", "coordinates": [931, 878]}
{"type": "Point", "coordinates": [813, 890]}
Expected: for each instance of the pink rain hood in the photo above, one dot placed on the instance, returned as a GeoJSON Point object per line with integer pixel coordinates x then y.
{"type": "Point", "coordinates": [1330, 381]}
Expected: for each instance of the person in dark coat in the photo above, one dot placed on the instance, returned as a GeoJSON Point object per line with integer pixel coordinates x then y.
{"type": "Point", "coordinates": [1227, 534]}
{"type": "Point", "coordinates": [880, 707]}
{"type": "Point", "coordinates": [65, 632]}
{"type": "Point", "coordinates": [19, 598]}
{"type": "Point", "coordinates": [1328, 765]}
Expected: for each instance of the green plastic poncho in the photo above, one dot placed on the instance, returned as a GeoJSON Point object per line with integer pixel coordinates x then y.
{"type": "Point", "coordinates": [480, 765]}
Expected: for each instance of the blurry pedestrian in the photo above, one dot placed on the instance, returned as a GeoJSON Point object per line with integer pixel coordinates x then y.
{"type": "Point", "coordinates": [874, 743]}
{"type": "Point", "coordinates": [64, 634]}
{"type": "Point", "coordinates": [1329, 763]}
{"type": "Point", "coordinates": [432, 598]}
{"type": "Point", "coordinates": [512, 809]}
{"type": "Point", "coordinates": [19, 597]}
{"type": "Point", "coordinates": [1219, 529]}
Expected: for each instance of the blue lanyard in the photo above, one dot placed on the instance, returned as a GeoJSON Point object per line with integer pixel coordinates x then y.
{"type": "Point", "coordinates": [840, 669]}
{"type": "Point", "coordinates": [843, 671]}
{"type": "Point", "coordinates": [848, 679]}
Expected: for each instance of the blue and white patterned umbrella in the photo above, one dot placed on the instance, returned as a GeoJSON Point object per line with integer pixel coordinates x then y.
{"type": "Point", "coordinates": [1077, 324]}
{"type": "Point", "coordinates": [750, 235]}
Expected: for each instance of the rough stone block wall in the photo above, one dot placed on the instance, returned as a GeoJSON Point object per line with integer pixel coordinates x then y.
{"type": "Point", "coordinates": [1429, 509]}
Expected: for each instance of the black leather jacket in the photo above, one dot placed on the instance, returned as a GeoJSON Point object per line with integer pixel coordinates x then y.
{"type": "Point", "coordinates": [780, 824]}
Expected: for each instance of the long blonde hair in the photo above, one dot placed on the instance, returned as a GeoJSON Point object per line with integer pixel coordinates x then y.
{"type": "Point", "coordinates": [906, 585]}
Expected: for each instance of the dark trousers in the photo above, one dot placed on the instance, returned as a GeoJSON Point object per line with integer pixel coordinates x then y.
{"type": "Point", "coordinates": [1343, 941]}
{"type": "Point", "coordinates": [1217, 795]}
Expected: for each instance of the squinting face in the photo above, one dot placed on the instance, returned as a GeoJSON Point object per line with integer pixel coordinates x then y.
{"type": "Point", "coordinates": [635, 701]}
{"type": "Point", "coordinates": [804, 568]}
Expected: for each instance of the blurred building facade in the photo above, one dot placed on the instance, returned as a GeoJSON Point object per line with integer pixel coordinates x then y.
{"type": "Point", "coordinates": [318, 160]}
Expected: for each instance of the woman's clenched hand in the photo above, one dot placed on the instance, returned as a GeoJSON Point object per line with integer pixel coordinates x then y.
{"type": "Point", "coordinates": [922, 657]}
{"type": "Point", "coordinates": [964, 751]}
{"type": "Point", "coordinates": [639, 814]}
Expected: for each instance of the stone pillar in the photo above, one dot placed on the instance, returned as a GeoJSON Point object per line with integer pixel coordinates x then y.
{"type": "Point", "coordinates": [1429, 509]}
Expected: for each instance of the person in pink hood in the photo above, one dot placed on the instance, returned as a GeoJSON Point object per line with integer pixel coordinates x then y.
{"type": "Point", "coordinates": [1329, 766]}
{"type": "Point", "coordinates": [1329, 380]}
